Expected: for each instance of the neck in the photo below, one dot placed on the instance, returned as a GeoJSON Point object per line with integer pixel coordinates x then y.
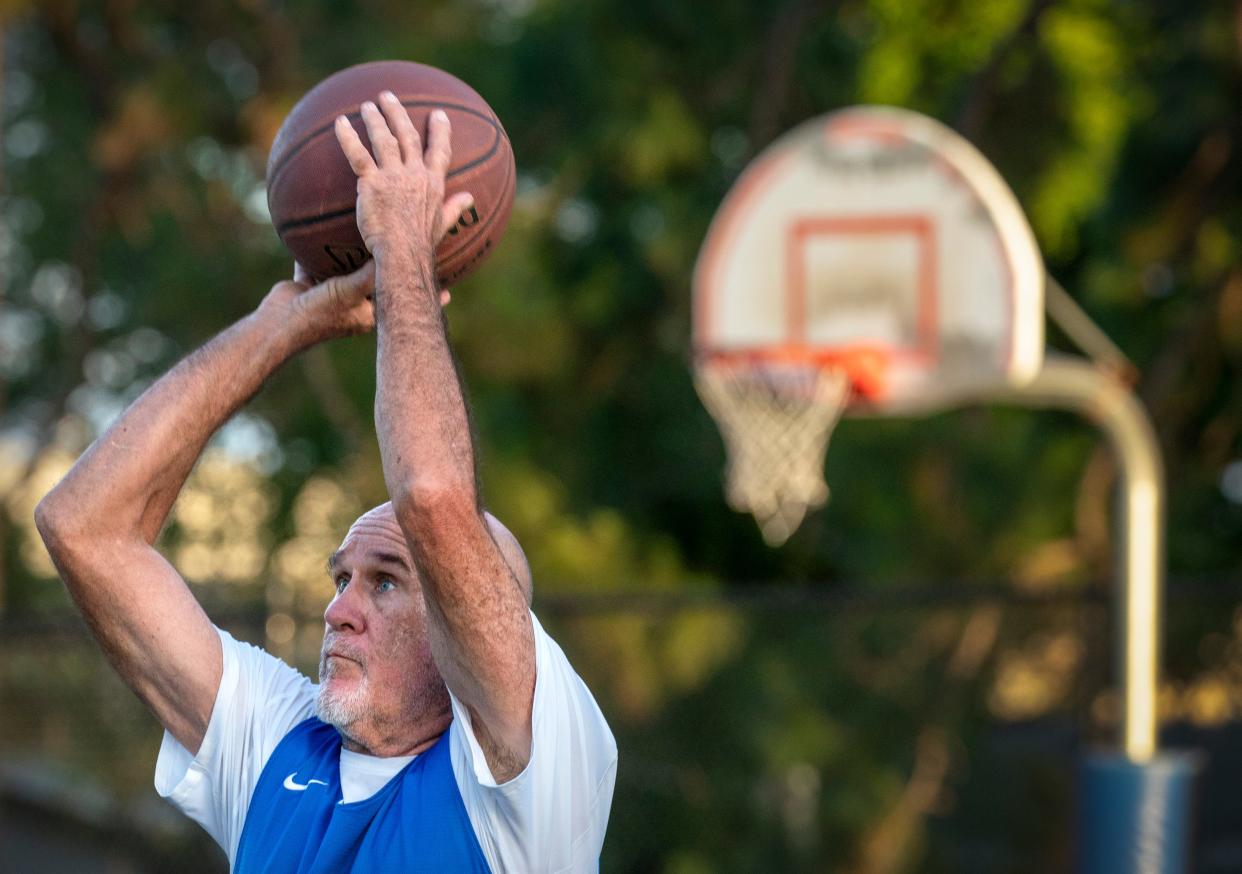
{"type": "Point", "coordinates": [382, 742]}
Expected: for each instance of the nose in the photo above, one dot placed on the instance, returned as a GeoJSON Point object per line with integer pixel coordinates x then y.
{"type": "Point", "coordinates": [345, 611]}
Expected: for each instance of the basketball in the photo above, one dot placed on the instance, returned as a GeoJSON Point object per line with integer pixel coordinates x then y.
{"type": "Point", "coordinates": [311, 189]}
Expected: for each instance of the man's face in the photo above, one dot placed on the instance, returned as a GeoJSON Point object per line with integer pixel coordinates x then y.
{"type": "Point", "coordinates": [378, 682]}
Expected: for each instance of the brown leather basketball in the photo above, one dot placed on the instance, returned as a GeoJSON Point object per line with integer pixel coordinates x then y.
{"type": "Point", "coordinates": [312, 191]}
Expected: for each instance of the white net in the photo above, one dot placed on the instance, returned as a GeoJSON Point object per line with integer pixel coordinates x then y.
{"type": "Point", "coordinates": [776, 420]}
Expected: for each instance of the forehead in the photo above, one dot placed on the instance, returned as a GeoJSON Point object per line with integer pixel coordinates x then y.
{"type": "Point", "coordinates": [375, 536]}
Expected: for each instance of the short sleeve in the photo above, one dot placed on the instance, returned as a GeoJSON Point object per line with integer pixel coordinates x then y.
{"type": "Point", "coordinates": [551, 817]}
{"type": "Point", "coordinates": [260, 698]}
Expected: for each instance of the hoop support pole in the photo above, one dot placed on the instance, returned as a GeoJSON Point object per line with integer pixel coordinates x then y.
{"type": "Point", "coordinates": [1079, 386]}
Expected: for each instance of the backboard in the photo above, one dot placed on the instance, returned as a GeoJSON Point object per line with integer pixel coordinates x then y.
{"type": "Point", "coordinates": [876, 232]}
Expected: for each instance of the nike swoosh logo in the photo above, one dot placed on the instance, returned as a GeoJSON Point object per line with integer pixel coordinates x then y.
{"type": "Point", "coordinates": [301, 787]}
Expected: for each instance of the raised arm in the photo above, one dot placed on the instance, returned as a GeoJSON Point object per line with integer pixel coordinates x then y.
{"type": "Point", "coordinates": [479, 626]}
{"type": "Point", "coordinates": [100, 521]}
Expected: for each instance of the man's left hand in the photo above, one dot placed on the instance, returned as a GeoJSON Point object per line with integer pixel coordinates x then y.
{"type": "Point", "coordinates": [401, 204]}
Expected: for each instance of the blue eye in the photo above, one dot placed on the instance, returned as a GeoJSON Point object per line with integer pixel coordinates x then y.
{"type": "Point", "coordinates": [341, 582]}
{"type": "Point", "coordinates": [386, 585]}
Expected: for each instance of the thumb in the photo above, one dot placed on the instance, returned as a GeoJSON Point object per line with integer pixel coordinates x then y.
{"type": "Point", "coordinates": [353, 288]}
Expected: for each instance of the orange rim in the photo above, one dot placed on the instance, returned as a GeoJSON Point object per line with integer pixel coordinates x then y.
{"type": "Point", "coordinates": [866, 365]}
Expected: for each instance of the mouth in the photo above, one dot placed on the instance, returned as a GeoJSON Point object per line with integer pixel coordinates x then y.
{"type": "Point", "coordinates": [336, 660]}
{"type": "Point", "coordinates": [340, 656]}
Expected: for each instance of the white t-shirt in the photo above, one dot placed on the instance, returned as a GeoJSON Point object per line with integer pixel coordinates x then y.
{"type": "Point", "coordinates": [550, 818]}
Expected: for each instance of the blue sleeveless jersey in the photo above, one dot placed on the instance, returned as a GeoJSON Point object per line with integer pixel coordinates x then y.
{"type": "Point", "coordinates": [296, 823]}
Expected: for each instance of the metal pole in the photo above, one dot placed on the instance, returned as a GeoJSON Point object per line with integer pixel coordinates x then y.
{"type": "Point", "coordinates": [1086, 334]}
{"type": "Point", "coordinates": [1136, 807]}
{"type": "Point", "coordinates": [1074, 384]}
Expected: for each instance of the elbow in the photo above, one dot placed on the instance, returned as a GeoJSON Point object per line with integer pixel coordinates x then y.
{"type": "Point", "coordinates": [52, 522]}
{"type": "Point", "coordinates": [48, 517]}
{"type": "Point", "coordinates": [428, 506]}
{"type": "Point", "coordinates": [74, 538]}
{"type": "Point", "coordinates": [65, 523]}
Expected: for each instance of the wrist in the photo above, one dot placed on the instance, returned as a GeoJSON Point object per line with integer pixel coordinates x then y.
{"type": "Point", "coordinates": [403, 263]}
{"type": "Point", "coordinates": [285, 328]}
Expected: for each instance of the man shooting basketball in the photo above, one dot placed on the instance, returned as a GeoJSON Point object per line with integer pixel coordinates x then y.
{"type": "Point", "coordinates": [448, 732]}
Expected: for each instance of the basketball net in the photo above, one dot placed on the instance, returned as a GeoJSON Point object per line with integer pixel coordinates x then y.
{"type": "Point", "coordinates": [776, 419]}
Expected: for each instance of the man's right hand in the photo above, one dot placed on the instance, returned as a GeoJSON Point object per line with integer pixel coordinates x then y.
{"type": "Point", "coordinates": [340, 306]}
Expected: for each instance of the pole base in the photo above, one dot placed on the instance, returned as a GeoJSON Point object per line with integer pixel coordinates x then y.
{"type": "Point", "coordinates": [1137, 817]}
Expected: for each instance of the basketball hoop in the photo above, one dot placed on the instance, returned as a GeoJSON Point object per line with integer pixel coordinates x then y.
{"type": "Point", "coordinates": [869, 262]}
{"type": "Point", "coordinates": [872, 262]}
{"type": "Point", "coordinates": [776, 414]}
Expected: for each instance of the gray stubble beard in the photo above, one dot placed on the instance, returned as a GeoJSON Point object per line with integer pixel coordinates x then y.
{"type": "Point", "coordinates": [337, 709]}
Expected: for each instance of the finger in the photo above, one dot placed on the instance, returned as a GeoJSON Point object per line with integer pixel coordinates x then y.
{"type": "Point", "coordinates": [446, 297]}
{"type": "Point", "coordinates": [454, 208]}
{"type": "Point", "coordinates": [351, 144]}
{"type": "Point", "coordinates": [439, 141]}
{"type": "Point", "coordinates": [300, 274]}
{"type": "Point", "coordinates": [363, 317]}
{"type": "Point", "coordinates": [354, 288]}
{"type": "Point", "coordinates": [402, 126]}
{"type": "Point", "coordinates": [383, 143]}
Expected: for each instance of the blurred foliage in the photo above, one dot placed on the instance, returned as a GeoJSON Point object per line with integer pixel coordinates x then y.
{"type": "Point", "coordinates": [133, 226]}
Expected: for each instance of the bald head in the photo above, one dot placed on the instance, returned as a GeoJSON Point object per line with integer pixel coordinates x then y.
{"type": "Point", "coordinates": [510, 549]}
{"type": "Point", "coordinates": [513, 555]}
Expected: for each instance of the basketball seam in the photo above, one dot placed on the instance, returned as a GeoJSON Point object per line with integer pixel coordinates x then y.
{"type": "Point", "coordinates": [296, 147]}
{"type": "Point", "coordinates": [291, 153]}
{"type": "Point", "coordinates": [291, 224]}
{"type": "Point", "coordinates": [491, 219]}
{"type": "Point", "coordinates": [466, 244]}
